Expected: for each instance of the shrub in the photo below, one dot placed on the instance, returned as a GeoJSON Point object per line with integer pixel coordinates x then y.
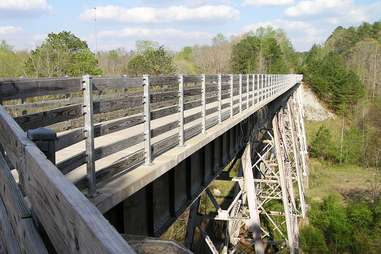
{"type": "Point", "coordinates": [312, 240]}
{"type": "Point", "coordinates": [322, 145]}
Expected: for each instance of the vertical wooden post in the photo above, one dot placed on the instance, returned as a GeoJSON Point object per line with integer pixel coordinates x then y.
{"type": "Point", "coordinates": [181, 109]}
{"type": "Point", "coordinates": [219, 99]}
{"type": "Point", "coordinates": [147, 121]}
{"type": "Point", "coordinates": [240, 93]}
{"type": "Point", "coordinates": [203, 104]}
{"type": "Point", "coordinates": [231, 95]}
{"type": "Point", "coordinates": [253, 90]}
{"type": "Point", "coordinates": [258, 87]}
{"type": "Point", "coordinates": [263, 86]}
{"type": "Point", "coordinates": [247, 90]}
{"type": "Point", "coordinates": [87, 87]}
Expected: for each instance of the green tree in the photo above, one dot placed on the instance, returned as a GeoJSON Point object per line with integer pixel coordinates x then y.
{"type": "Point", "coordinates": [245, 55]}
{"type": "Point", "coordinates": [266, 51]}
{"type": "Point", "coordinates": [322, 145]}
{"type": "Point", "coordinates": [331, 218]}
{"type": "Point", "coordinates": [62, 54]}
{"type": "Point", "coordinates": [333, 82]}
{"type": "Point", "coordinates": [151, 59]}
{"type": "Point", "coordinates": [11, 62]}
{"type": "Point", "coordinates": [312, 240]}
{"type": "Point", "coordinates": [184, 61]}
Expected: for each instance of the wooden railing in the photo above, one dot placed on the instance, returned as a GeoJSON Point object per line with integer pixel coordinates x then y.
{"type": "Point", "coordinates": [71, 222]}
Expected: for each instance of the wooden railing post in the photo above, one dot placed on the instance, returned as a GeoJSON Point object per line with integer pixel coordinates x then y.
{"type": "Point", "coordinates": [247, 90]}
{"type": "Point", "coordinates": [203, 104]}
{"type": "Point", "coordinates": [253, 90]}
{"type": "Point", "coordinates": [240, 93]}
{"type": "Point", "coordinates": [181, 109]}
{"type": "Point", "coordinates": [219, 99]}
{"type": "Point", "coordinates": [262, 86]}
{"type": "Point", "coordinates": [87, 87]}
{"type": "Point", "coordinates": [231, 95]}
{"type": "Point", "coordinates": [147, 121]}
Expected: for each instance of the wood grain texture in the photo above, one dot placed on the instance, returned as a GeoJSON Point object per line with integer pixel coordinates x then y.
{"type": "Point", "coordinates": [50, 117]}
{"type": "Point", "coordinates": [72, 223]}
{"type": "Point", "coordinates": [8, 241]}
{"type": "Point", "coordinates": [24, 88]}
{"type": "Point", "coordinates": [19, 215]}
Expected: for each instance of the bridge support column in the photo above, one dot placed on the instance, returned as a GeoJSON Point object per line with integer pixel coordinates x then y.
{"type": "Point", "coordinates": [193, 221]}
{"type": "Point", "coordinates": [286, 192]}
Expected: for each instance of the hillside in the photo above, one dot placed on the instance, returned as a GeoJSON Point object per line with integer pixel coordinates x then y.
{"type": "Point", "coordinates": [314, 108]}
{"type": "Point", "coordinates": [345, 177]}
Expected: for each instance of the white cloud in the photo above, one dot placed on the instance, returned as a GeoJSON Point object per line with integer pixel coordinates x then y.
{"type": "Point", "coordinates": [268, 2]}
{"type": "Point", "coordinates": [335, 12]}
{"type": "Point", "coordinates": [314, 7]}
{"type": "Point", "coordinates": [161, 15]}
{"type": "Point", "coordinates": [23, 5]}
{"type": "Point", "coordinates": [6, 30]}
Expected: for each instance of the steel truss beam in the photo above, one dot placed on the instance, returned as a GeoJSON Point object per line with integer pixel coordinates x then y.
{"type": "Point", "coordinates": [279, 174]}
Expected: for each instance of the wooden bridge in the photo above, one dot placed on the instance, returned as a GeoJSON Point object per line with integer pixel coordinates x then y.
{"type": "Point", "coordinates": [131, 154]}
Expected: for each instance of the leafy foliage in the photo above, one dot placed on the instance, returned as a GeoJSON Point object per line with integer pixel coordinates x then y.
{"type": "Point", "coordinates": [334, 83]}
{"type": "Point", "coordinates": [267, 51]}
{"type": "Point", "coordinates": [312, 240]}
{"type": "Point", "coordinates": [62, 54]}
{"type": "Point", "coordinates": [11, 63]}
{"type": "Point", "coordinates": [322, 145]}
{"type": "Point", "coordinates": [151, 59]}
{"type": "Point", "coordinates": [352, 228]}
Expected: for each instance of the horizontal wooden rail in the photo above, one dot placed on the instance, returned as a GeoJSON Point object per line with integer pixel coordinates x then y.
{"type": "Point", "coordinates": [247, 89]}
{"type": "Point", "coordinates": [72, 223]}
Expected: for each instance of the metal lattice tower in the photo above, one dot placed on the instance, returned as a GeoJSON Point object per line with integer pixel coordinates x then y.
{"type": "Point", "coordinates": [270, 198]}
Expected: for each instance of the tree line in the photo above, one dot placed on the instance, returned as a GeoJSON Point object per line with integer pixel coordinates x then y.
{"type": "Point", "coordinates": [265, 50]}
{"type": "Point", "coordinates": [344, 72]}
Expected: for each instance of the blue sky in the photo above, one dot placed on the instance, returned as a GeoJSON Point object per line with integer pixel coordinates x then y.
{"type": "Point", "coordinates": [25, 23]}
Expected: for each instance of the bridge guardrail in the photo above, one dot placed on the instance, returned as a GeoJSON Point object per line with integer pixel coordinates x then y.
{"type": "Point", "coordinates": [152, 98]}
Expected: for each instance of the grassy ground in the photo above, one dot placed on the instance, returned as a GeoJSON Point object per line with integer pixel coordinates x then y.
{"type": "Point", "coordinates": [339, 180]}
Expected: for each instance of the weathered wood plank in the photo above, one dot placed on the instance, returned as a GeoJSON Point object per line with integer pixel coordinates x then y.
{"type": "Point", "coordinates": [50, 117]}
{"type": "Point", "coordinates": [19, 215]}
{"type": "Point", "coordinates": [117, 125]}
{"type": "Point", "coordinates": [116, 82]}
{"type": "Point", "coordinates": [69, 138]}
{"type": "Point", "coordinates": [192, 78]}
{"type": "Point", "coordinates": [44, 104]}
{"type": "Point", "coordinates": [128, 163]}
{"type": "Point", "coordinates": [71, 163]}
{"type": "Point", "coordinates": [8, 241]}
{"type": "Point", "coordinates": [103, 151]}
{"type": "Point", "coordinates": [137, 158]}
{"type": "Point", "coordinates": [72, 223]}
{"type": "Point", "coordinates": [77, 135]}
{"type": "Point", "coordinates": [163, 80]}
{"type": "Point", "coordinates": [23, 88]}
{"type": "Point", "coordinates": [109, 105]}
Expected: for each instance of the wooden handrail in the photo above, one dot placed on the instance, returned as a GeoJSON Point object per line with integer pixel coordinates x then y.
{"type": "Point", "coordinates": [72, 223]}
